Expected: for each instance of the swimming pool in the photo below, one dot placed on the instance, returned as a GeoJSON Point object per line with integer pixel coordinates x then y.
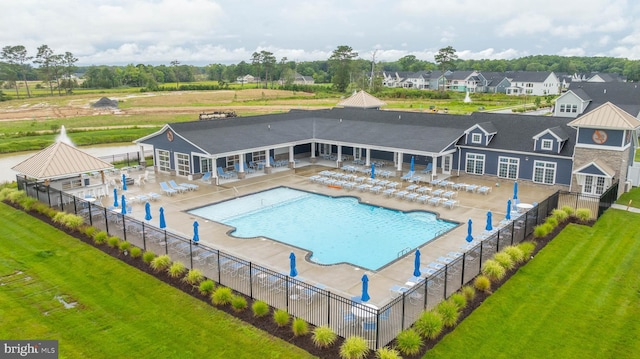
{"type": "Point", "coordinates": [334, 229]}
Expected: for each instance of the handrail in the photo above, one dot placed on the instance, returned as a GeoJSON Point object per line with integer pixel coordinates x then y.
{"type": "Point", "coordinates": [404, 251]}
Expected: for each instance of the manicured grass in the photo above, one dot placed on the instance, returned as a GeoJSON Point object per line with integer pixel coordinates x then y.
{"type": "Point", "coordinates": [633, 196]}
{"type": "Point", "coordinates": [579, 298]}
{"type": "Point", "coordinates": [120, 313]}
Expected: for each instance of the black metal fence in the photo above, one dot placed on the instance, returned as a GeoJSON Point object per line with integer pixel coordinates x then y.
{"type": "Point", "coordinates": [129, 158]}
{"type": "Point", "coordinates": [313, 303]}
{"type": "Point", "coordinates": [596, 204]}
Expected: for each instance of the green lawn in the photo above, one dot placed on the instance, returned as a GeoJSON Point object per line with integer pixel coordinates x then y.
{"type": "Point", "coordinates": [120, 313]}
{"type": "Point", "coordinates": [579, 298]}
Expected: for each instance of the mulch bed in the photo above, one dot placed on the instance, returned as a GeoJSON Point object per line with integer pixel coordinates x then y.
{"type": "Point", "coordinates": [266, 323]}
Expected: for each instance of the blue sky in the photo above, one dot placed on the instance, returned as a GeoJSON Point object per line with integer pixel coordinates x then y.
{"type": "Point", "coordinates": [200, 32]}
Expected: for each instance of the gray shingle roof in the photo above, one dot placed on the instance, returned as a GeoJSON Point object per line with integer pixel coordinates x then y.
{"type": "Point", "coordinates": [625, 95]}
{"type": "Point", "coordinates": [528, 76]}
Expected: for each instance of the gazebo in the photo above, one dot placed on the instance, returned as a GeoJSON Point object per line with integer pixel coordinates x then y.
{"type": "Point", "coordinates": [362, 100]}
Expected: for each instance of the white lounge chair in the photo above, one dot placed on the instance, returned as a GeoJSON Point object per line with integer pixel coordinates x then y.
{"type": "Point", "coordinates": [206, 178]}
{"type": "Point", "coordinates": [177, 187]}
{"type": "Point", "coordinates": [166, 189]}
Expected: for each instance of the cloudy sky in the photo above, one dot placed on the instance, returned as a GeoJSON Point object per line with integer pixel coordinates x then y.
{"type": "Point", "coordinates": [201, 32]}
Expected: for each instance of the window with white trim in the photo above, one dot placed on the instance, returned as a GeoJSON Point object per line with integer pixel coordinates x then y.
{"type": "Point", "coordinates": [183, 164]}
{"type": "Point", "coordinates": [231, 162]}
{"type": "Point", "coordinates": [206, 165]}
{"type": "Point", "coordinates": [544, 172]}
{"type": "Point", "coordinates": [475, 163]}
{"type": "Point", "coordinates": [546, 145]}
{"type": "Point", "coordinates": [164, 161]}
{"type": "Point", "coordinates": [594, 184]}
{"type": "Point", "coordinates": [508, 167]}
{"type": "Point", "coordinates": [476, 138]}
{"type": "Point", "coordinates": [562, 107]}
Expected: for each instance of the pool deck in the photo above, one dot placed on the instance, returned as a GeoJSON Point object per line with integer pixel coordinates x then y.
{"type": "Point", "coordinates": [341, 279]}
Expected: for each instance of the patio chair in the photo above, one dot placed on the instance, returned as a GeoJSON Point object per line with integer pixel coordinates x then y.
{"type": "Point", "coordinates": [223, 174]}
{"type": "Point", "coordinates": [407, 176]}
{"type": "Point", "coordinates": [190, 186]}
{"type": "Point", "coordinates": [166, 189]}
{"type": "Point", "coordinates": [206, 178]}
{"type": "Point", "coordinates": [153, 196]}
{"type": "Point", "coordinates": [428, 169]}
{"type": "Point", "coordinates": [248, 168]}
{"type": "Point", "coordinates": [178, 188]}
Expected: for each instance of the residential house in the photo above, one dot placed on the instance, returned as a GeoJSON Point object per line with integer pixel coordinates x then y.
{"type": "Point", "coordinates": [582, 97]}
{"type": "Point", "coordinates": [533, 83]}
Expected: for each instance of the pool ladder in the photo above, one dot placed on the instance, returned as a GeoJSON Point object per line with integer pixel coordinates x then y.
{"type": "Point", "coordinates": [404, 251]}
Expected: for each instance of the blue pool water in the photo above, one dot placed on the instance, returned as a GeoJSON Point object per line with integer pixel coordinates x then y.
{"type": "Point", "coordinates": [334, 229]}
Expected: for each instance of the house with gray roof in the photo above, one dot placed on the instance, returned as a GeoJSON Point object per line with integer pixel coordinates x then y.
{"type": "Point", "coordinates": [533, 83]}
{"type": "Point", "coordinates": [582, 97]}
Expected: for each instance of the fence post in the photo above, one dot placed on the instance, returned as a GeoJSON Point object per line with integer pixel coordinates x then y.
{"type": "Point", "coordinates": [144, 239]}
{"type": "Point", "coordinates": [251, 280]}
{"type": "Point", "coordinates": [191, 253]}
{"type": "Point", "coordinates": [464, 264]}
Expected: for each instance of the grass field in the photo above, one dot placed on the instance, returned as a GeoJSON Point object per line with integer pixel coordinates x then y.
{"type": "Point", "coordinates": [120, 312]}
{"type": "Point", "coordinates": [579, 298]}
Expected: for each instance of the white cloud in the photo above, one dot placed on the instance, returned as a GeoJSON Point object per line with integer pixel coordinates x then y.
{"type": "Point", "coordinates": [577, 51]}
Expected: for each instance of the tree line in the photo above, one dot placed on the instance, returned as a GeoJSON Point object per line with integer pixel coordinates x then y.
{"type": "Point", "coordinates": [344, 69]}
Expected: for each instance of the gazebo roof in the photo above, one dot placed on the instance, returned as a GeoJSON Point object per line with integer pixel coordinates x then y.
{"type": "Point", "coordinates": [361, 99]}
{"type": "Point", "coordinates": [60, 160]}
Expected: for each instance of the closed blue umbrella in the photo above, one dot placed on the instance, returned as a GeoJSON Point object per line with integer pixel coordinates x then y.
{"type": "Point", "coordinates": [508, 210]}
{"type": "Point", "coordinates": [469, 236]}
{"type": "Point", "coordinates": [196, 237]}
{"type": "Point", "coordinates": [373, 170]}
{"type": "Point", "coordinates": [413, 164]}
{"type": "Point", "coordinates": [124, 182]}
{"type": "Point", "coordinates": [147, 210]}
{"type": "Point", "coordinates": [489, 226]}
{"type": "Point", "coordinates": [292, 263]}
{"type": "Point", "coordinates": [115, 197]}
{"type": "Point", "coordinates": [416, 264]}
{"type": "Point", "coordinates": [365, 289]}
{"type": "Point", "coordinates": [515, 191]}
{"type": "Point", "coordinates": [123, 203]}
{"type": "Point", "coordinates": [163, 224]}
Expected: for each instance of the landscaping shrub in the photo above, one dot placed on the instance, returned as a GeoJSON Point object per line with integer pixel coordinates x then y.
{"type": "Point", "coordinates": [260, 308]}
{"type": "Point", "coordinates": [409, 342]}
{"type": "Point", "coordinates": [281, 317]}
{"type": "Point", "coordinates": [148, 256]}
{"type": "Point", "coordinates": [58, 218]}
{"type": "Point", "coordinates": [354, 348]}
{"type": "Point", "coordinates": [552, 221]}
{"type": "Point", "coordinates": [113, 241]}
{"type": "Point", "coordinates": [207, 287]}
{"type": "Point", "coordinates": [5, 192]}
{"type": "Point", "coordinates": [516, 254]}
{"type": "Point", "coordinates": [90, 231]}
{"type": "Point", "coordinates": [448, 312]}
{"type": "Point", "coordinates": [527, 249]}
{"type": "Point", "coordinates": [29, 203]}
{"type": "Point", "coordinates": [73, 221]}
{"type": "Point", "coordinates": [124, 246]}
{"type": "Point", "coordinates": [429, 325]}
{"type": "Point", "coordinates": [160, 263]}
{"type": "Point", "coordinates": [136, 252]}
{"type": "Point", "coordinates": [493, 270]}
{"type": "Point", "coordinates": [560, 215]}
{"type": "Point", "coordinates": [238, 303]}
{"type": "Point", "coordinates": [221, 296]}
{"type": "Point", "coordinates": [459, 300]}
{"type": "Point", "coordinates": [16, 197]}
{"type": "Point", "coordinates": [323, 336]}
{"type": "Point", "coordinates": [542, 230]}
{"type": "Point", "coordinates": [194, 277]}
{"type": "Point", "coordinates": [387, 353]}
{"type": "Point", "coordinates": [100, 237]}
{"type": "Point", "coordinates": [482, 283]}
{"type": "Point", "coordinates": [177, 269]}
{"type": "Point", "coordinates": [568, 210]}
{"type": "Point", "coordinates": [504, 260]}
{"type": "Point", "coordinates": [469, 292]}
{"type": "Point", "coordinates": [583, 214]}
{"type": "Point", "coordinates": [299, 327]}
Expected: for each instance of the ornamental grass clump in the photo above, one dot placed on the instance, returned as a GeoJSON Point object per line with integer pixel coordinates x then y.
{"type": "Point", "coordinates": [449, 313]}
{"type": "Point", "coordinates": [177, 269]}
{"type": "Point", "coordinates": [161, 263]}
{"type": "Point", "coordinates": [299, 327]}
{"type": "Point", "coordinates": [135, 252]}
{"type": "Point", "coordinates": [542, 230]}
{"type": "Point", "coordinates": [583, 214]}
{"type": "Point", "coordinates": [459, 300]}
{"type": "Point", "coordinates": [469, 292]}
{"type": "Point", "coordinates": [206, 287]}
{"type": "Point", "coordinates": [238, 303]}
{"type": "Point", "coordinates": [221, 296]}
{"type": "Point", "coordinates": [560, 215]}
{"type": "Point", "coordinates": [354, 348]}
{"type": "Point", "coordinates": [323, 336]}
{"type": "Point", "coordinates": [387, 353]}
{"type": "Point", "coordinates": [194, 277]}
{"type": "Point", "coordinates": [493, 270]}
{"type": "Point", "coordinates": [90, 231]}
{"type": "Point", "coordinates": [516, 254]}
{"type": "Point", "coordinates": [409, 342]}
{"type": "Point", "coordinates": [100, 237]}
{"type": "Point", "coordinates": [113, 241]}
{"type": "Point", "coordinates": [148, 257]}
{"type": "Point", "coordinates": [527, 248]}
{"type": "Point", "coordinates": [504, 260]}
{"type": "Point", "coordinates": [281, 317]}
{"type": "Point", "coordinates": [482, 283]}
{"type": "Point", "coordinates": [553, 221]}
{"type": "Point", "coordinates": [124, 246]}
{"type": "Point", "coordinates": [429, 325]}
{"type": "Point", "coordinates": [568, 210]}
{"type": "Point", "coordinates": [260, 308]}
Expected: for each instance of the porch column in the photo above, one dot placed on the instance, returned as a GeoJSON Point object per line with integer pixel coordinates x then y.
{"type": "Point", "coordinates": [434, 168]}
{"type": "Point", "coordinates": [313, 152]}
{"type": "Point", "coordinates": [292, 160]}
{"type": "Point", "coordinates": [368, 160]}
{"type": "Point", "coordinates": [143, 161]}
{"type": "Point", "coordinates": [399, 164]}
{"type": "Point", "coordinates": [214, 171]}
{"type": "Point", "coordinates": [339, 160]}
{"type": "Point", "coordinates": [241, 170]}
{"type": "Point", "coordinates": [267, 162]}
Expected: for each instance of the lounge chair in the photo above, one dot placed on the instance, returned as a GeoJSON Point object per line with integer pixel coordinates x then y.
{"type": "Point", "coordinates": [177, 187]}
{"type": "Point", "coordinates": [206, 178]}
{"type": "Point", "coordinates": [450, 203]}
{"type": "Point", "coordinates": [190, 186]}
{"type": "Point", "coordinates": [407, 176]}
{"type": "Point", "coordinates": [223, 174]}
{"type": "Point", "coordinates": [248, 168]}
{"type": "Point", "coordinates": [153, 196]}
{"type": "Point", "coordinates": [166, 189]}
{"type": "Point", "coordinates": [428, 169]}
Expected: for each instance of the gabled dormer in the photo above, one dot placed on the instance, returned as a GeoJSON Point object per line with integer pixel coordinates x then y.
{"type": "Point", "coordinates": [550, 140]}
{"type": "Point", "coordinates": [480, 134]}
